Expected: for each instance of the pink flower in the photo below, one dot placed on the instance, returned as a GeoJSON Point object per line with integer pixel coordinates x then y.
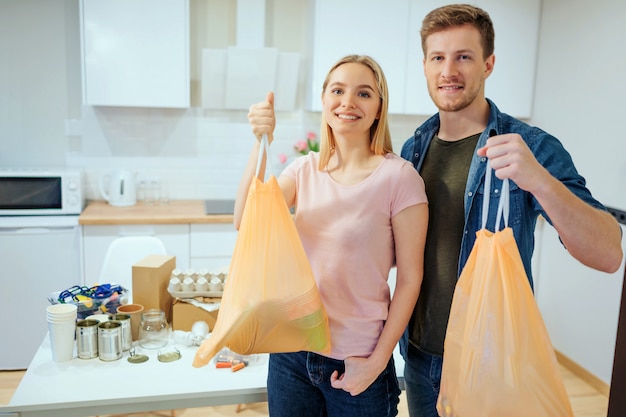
{"type": "Point", "coordinates": [301, 146]}
{"type": "Point", "coordinates": [311, 144]}
{"type": "Point", "coordinates": [282, 158]}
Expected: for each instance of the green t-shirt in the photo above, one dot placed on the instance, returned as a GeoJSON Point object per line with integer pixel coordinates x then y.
{"type": "Point", "coordinates": [445, 170]}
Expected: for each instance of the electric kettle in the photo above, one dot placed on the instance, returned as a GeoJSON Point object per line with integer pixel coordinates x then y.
{"type": "Point", "coordinates": [121, 188]}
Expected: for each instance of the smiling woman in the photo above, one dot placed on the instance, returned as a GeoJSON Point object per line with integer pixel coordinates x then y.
{"type": "Point", "coordinates": [343, 194]}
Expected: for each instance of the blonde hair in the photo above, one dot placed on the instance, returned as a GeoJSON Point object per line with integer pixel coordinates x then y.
{"type": "Point", "coordinates": [380, 138]}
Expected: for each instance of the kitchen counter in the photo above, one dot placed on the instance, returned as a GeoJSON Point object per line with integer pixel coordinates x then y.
{"type": "Point", "coordinates": [175, 212]}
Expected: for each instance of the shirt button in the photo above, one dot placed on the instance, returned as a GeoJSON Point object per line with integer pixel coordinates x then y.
{"type": "Point", "coordinates": [469, 194]}
{"type": "Point", "coordinates": [416, 155]}
{"type": "Point", "coordinates": [496, 191]}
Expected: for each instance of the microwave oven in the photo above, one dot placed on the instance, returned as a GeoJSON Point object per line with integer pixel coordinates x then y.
{"type": "Point", "coordinates": [41, 192]}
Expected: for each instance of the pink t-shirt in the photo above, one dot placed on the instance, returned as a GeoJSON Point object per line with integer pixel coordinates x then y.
{"type": "Point", "coordinates": [347, 235]}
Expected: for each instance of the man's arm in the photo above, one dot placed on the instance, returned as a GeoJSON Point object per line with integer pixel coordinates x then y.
{"type": "Point", "coordinates": [590, 235]}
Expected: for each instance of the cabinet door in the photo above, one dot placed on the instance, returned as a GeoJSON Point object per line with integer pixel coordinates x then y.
{"type": "Point", "coordinates": [36, 261]}
{"type": "Point", "coordinates": [135, 53]}
{"type": "Point", "coordinates": [212, 245]}
{"type": "Point", "coordinates": [511, 85]}
{"type": "Point", "coordinates": [96, 241]}
{"type": "Point", "coordinates": [361, 27]}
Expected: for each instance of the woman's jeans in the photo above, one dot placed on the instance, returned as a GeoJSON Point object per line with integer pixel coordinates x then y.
{"type": "Point", "coordinates": [422, 377]}
{"type": "Point", "coordinates": [298, 384]}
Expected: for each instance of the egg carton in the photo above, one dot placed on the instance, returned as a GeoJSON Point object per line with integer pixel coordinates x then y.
{"type": "Point", "coordinates": [191, 284]}
{"type": "Point", "coordinates": [194, 294]}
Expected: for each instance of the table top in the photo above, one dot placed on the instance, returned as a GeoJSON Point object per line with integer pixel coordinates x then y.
{"type": "Point", "coordinates": [84, 387]}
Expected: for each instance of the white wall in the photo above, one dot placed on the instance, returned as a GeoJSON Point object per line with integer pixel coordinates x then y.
{"type": "Point", "coordinates": [580, 92]}
{"type": "Point", "coordinates": [579, 97]}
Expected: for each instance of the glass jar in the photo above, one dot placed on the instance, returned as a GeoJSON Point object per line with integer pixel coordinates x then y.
{"type": "Point", "coordinates": [153, 331]}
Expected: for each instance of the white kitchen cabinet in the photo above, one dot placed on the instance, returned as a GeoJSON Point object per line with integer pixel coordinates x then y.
{"type": "Point", "coordinates": [391, 36]}
{"type": "Point", "coordinates": [40, 255]}
{"type": "Point", "coordinates": [135, 53]}
{"type": "Point", "coordinates": [97, 238]}
{"type": "Point", "coordinates": [212, 245]}
{"type": "Point", "coordinates": [361, 27]}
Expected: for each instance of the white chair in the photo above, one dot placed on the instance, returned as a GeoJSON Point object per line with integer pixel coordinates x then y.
{"type": "Point", "coordinates": [122, 253]}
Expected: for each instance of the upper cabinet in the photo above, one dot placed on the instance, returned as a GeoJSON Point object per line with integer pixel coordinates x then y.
{"type": "Point", "coordinates": [364, 27]}
{"type": "Point", "coordinates": [135, 53]}
{"type": "Point", "coordinates": [394, 41]}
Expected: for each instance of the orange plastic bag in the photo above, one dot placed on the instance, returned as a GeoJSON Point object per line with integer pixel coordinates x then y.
{"type": "Point", "coordinates": [498, 359]}
{"type": "Point", "coordinates": [270, 301]}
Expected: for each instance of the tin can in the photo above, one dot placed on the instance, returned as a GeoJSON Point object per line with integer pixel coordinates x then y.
{"type": "Point", "coordinates": [127, 335]}
{"type": "Point", "coordinates": [87, 339]}
{"type": "Point", "coordinates": [110, 340]}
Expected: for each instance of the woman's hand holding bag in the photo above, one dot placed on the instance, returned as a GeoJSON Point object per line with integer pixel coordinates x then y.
{"type": "Point", "coordinates": [270, 301]}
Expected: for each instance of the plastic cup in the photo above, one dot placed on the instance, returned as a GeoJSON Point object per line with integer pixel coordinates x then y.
{"type": "Point", "coordinates": [61, 311]}
{"type": "Point", "coordinates": [62, 334]}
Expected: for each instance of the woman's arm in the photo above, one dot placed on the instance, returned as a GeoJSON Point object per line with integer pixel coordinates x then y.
{"type": "Point", "coordinates": [262, 120]}
{"type": "Point", "coordinates": [409, 230]}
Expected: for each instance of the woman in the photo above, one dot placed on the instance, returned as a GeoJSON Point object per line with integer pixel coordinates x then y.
{"type": "Point", "coordinates": [360, 210]}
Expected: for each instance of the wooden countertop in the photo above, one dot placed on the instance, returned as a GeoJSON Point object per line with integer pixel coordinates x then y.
{"type": "Point", "coordinates": [175, 212]}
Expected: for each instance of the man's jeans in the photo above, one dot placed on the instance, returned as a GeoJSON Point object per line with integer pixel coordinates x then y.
{"type": "Point", "coordinates": [422, 376]}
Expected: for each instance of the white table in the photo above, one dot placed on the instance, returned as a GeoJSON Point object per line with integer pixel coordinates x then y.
{"type": "Point", "coordinates": [88, 387]}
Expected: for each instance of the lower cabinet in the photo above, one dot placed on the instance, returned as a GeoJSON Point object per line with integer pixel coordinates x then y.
{"type": "Point", "coordinates": [197, 246]}
{"type": "Point", "coordinates": [97, 238]}
{"type": "Point", "coordinates": [212, 245]}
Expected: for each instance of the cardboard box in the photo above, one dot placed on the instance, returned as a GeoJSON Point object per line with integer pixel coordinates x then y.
{"type": "Point", "coordinates": [186, 314]}
{"type": "Point", "coordinates": [151, 277]}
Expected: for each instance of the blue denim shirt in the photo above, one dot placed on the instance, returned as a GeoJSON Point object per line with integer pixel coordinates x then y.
{"type": "Point", "coordinates": [524, 208]}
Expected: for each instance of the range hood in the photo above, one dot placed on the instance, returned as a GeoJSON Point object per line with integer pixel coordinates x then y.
{"type": "Point", "coordinates": [240, 75]}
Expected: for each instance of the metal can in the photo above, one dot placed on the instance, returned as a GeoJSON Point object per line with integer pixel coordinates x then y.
{"type": "Point", "coordinates": [127, 335]}
{"type": "Point", "coordinates": [87, 339]}
{"type": "Point", "coordinates": [110, 340]}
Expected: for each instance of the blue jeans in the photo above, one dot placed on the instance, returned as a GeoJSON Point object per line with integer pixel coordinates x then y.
{"type": "Point", "coordinates": [298, 384]}
{"type": "Point", "coordinates": [422, 377]}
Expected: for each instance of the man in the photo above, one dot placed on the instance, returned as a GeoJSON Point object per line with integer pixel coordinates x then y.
{"type": "Point", "coordinates": [450, 151]}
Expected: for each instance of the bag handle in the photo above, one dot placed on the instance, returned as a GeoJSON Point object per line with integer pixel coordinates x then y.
{"type": "Point", "coordinates": [264, 150]}
{"type": "Point", "coordinates": [503, 204]}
